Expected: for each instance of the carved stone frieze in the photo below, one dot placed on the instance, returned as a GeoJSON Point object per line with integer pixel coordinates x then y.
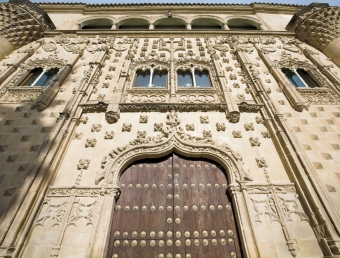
{"type": "Point", "coordinates": [317, 98]}
{"type": "Point", "coordinates": [22, 94]}
{"type": "Point", "coordinates": [249, 108]}
{"type": "Point", "coordinates": [147, 98]}
{"type": "Point", "coordinates": [98, 107]}
{"type": "Point", "coordinates": [196, 98]}
{"type": "Point", "coordinates": [138, 107]}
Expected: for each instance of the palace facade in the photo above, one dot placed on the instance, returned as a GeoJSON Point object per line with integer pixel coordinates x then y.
{"type": "Point", "coordinates": [169, 130]}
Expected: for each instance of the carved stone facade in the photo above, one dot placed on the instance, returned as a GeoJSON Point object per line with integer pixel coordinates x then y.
{"type": "Point", "coordinates": [64, 146]}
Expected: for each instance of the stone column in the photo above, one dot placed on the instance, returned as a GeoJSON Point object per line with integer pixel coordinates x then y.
{"type": "Point", "coordinates": [318, 25]}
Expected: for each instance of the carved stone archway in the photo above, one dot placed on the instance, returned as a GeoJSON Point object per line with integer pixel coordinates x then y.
{"type": "Point", "coordinates": [172, 139]}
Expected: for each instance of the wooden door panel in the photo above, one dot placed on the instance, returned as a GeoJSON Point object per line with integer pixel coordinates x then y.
{"type": "Point", "coordinates": [174, 207]}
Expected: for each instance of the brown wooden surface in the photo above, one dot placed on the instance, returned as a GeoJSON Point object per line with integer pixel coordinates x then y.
{"type": "Point", "coordinates": [173, 207]}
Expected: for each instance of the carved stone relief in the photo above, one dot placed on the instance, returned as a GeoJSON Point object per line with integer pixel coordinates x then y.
{"type": "Point", "coordinates": [143, 119]}
{"type": "Point", "coordinates": [83, 164]}
{"type": "Point", "coordinates": [126, 127]}
{"type": "Point", "coordinates": [90, 143]}
{"type": "Point", "coordinates": [190, 127]}
{"type": "Point", "coordinates": [204, 119]}
{"type": "Point", "coordinates": [254, 141]}
{"type": "Point", "coordinates": [109, 135]}
{"type": "Point", "coordinates": [96, 128]}
{"type": "Point", "coordinates": [249, 127]}
{"type": "Point", "coordinates": [261, 162]}
{"type": "Point", "coordinates": [220, 127]}
{"type": "Point", "coordinates": [237, 134]}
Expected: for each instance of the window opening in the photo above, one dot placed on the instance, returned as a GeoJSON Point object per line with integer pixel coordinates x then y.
{"type": "Point", "coordinates": [299, 78]}
{"type": "Point", "coordinates": [151, 78]}
{"type": "Point", "coordinates": [193, 78]}
{"type": "Point", "coordinates": [185, 79]}
{"type": "Point", "coordinates": [39, 77]}
{"type": "Point", "coordinates": [202, 79]}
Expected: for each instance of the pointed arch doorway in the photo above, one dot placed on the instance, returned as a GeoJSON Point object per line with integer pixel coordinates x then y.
{"type": "Point", "coordinates": [173, 207]}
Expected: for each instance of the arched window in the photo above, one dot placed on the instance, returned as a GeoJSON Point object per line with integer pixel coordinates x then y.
{"type": "Point", "coordinates": [152, 78]}
{"type": "Point", "coordinates": [300, 78]}
{"type": "Point", "coordinates": [242, 24]}
{"type": "Point", "coordinates": [39, 77]}
{"type": "Point", "coordinates": [97, 24]}
{"type": "Point", "coordinates": [193, 78]}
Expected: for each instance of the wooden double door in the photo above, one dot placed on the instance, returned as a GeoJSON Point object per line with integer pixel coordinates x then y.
{"type": "Point", "coordinates": [173, 207]}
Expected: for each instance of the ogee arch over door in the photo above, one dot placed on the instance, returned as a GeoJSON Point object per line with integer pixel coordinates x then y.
{"type": "Point", "coordinates": [173, 207]}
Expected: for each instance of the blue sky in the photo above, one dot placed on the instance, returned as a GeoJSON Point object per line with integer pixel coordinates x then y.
{"type": "Point", "coordinates": [303, 2]}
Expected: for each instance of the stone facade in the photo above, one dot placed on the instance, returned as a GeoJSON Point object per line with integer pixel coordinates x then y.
{"type": "Point", "coordinates": [63, 147]}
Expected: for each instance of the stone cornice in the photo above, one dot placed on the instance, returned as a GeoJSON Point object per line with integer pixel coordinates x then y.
{"type": "Point", "coordinates": [159, 8]}
{"type": "Point", "coordinates": [154, 33]}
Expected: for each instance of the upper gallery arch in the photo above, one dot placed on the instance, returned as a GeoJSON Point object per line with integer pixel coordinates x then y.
{"type": "Point", "coordinates": [96, 23]}
{"type": "Point", "coordinates": [174, 23]}
{"type": "Point", "coordinates": [244, 23]}
{"type": "Point", "coordinates": [208, 22]}
{"type": "Point", "coordinates": [133, 23]}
